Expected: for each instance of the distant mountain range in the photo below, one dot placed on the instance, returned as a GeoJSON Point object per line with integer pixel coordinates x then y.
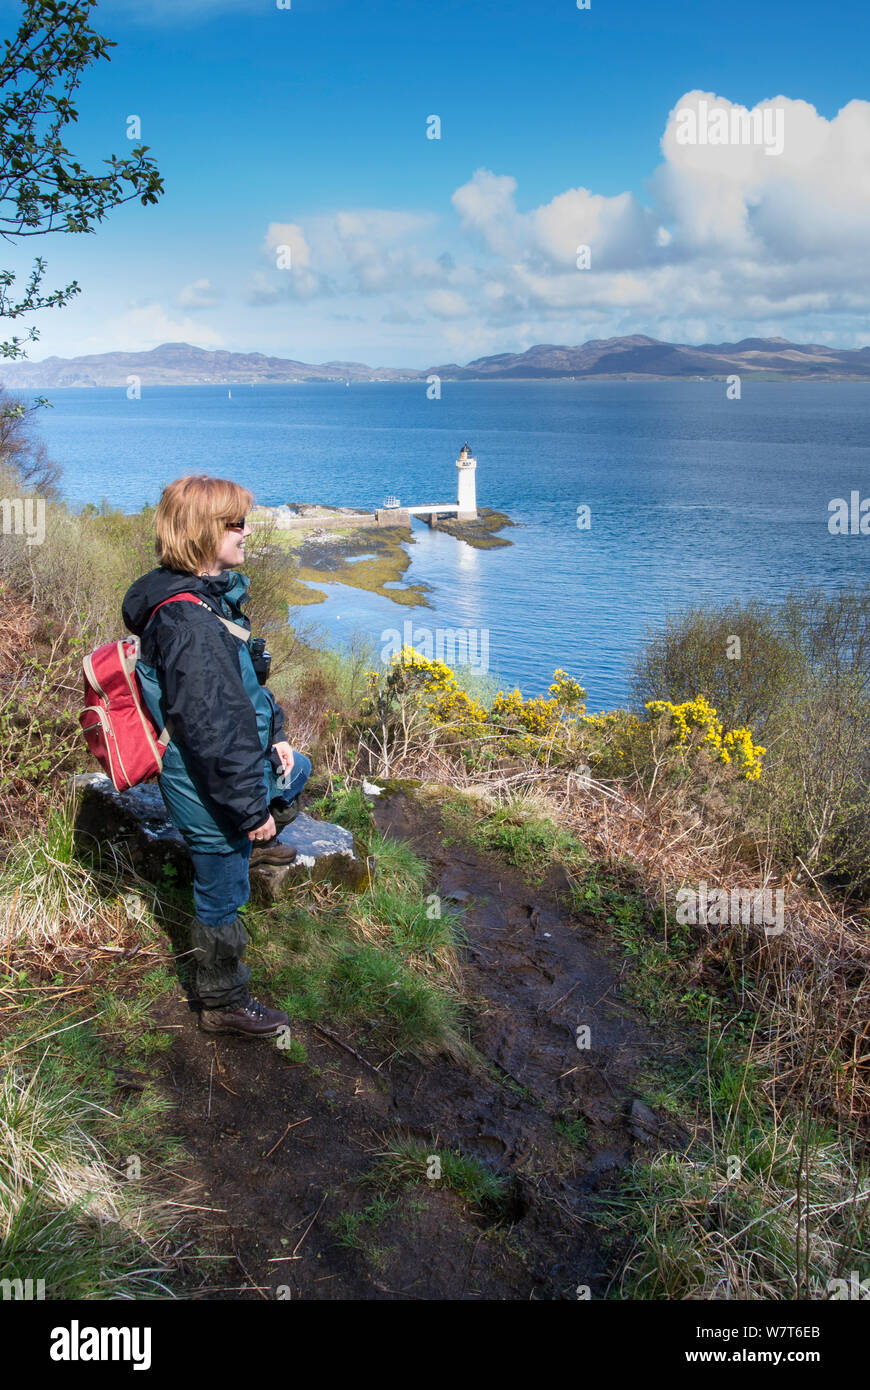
{"type": "Point", "coordinates": [635, 358]}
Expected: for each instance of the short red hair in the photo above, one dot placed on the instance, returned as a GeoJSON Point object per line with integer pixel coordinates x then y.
{"type": "Point", "coordinates": [191, 519]}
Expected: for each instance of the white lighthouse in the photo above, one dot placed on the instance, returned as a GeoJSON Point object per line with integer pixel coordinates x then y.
{"type": "Point", "coordinates": [467, 493]}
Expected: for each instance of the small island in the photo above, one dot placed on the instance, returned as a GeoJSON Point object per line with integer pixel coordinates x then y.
{"type": "Point", "coordinates": [323, 543]}
{"type": "Point", "coordinates": [339, 545]}
{"type": "Point", "coordinates": [479, 533]}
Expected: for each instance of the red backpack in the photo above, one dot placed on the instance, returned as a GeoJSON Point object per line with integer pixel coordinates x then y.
{"type": "Point", "coordinates": [117, 727]}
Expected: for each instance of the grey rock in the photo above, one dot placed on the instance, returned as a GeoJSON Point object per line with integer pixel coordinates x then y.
{"type": "Point", "coordinates": [323, 851]}
{"type": "Point", "coordinates": [313, 839]}
{"type": "Point", "coordinates": [137, 821]}
{"type": "Point", "coordinates": [141, 805]}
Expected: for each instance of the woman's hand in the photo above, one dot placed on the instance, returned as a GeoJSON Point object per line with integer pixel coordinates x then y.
{"type": "Point", "coordinates": [264, 831]}
{"type": "Point", "coordinates": [285, 753]}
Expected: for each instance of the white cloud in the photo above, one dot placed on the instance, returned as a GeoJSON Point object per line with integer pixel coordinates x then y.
{"type": "Point", "coordinates": [368, 251]}
{"type": "Point", "coordinates": [812, 199]}
{"type": "Point", "coordinates": [729, 239]}
{"type": "Point", "coordinates": [486, 206]}
{"type": "Point", "coordinates": [291, 235]}
{"type": "Point", "coordinates": [286, 249]}
{"type": "Point", "coordinates": [201, 294]}
{"type": "Point", "coordinates": [446, 304]}
{"type": "Point", "coordinates": [740, 234]}
{"type": "Point", "coordinates": [148, 325]}
{"type": "Point", "coordinates": [379, 225]}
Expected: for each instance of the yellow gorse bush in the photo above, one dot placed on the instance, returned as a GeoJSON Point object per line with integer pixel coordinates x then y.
{"type": "Point", "coordinates": [435, 684]}
{"type": "Point", "coordinates": [543, 724]}
{"type": "Point", "coordinates": [616, 730]}
{"type": "Point", "coordinates": [568, 693]}
{"type": "Point", "coordinates": [435, 675]}
{"type": "Point", "coordinates": [538, 715]}
{"type": "Point", "coordinates": [696, 725]}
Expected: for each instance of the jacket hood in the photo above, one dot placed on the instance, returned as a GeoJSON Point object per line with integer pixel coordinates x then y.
{"type": "Point", "coordinates": [143, 596]}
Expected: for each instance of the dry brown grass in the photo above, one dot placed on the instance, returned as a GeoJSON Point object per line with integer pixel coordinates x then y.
{"type": "Point", "coordinates": [810, 985]}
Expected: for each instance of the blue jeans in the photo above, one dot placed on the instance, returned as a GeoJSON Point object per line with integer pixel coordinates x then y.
{"type": "Point", "coordinates": [220, 888]}
{"type": "Point", "coordinates": [220, 884]}
{"type": "Point", "coordinates": [288, 786]}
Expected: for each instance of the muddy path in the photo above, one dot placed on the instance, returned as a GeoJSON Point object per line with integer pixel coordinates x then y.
{"type": "Point", "coordinates": [289, 1209]}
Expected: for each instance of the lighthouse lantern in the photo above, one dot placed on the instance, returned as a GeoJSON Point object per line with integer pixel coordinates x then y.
{"type": "Point", "coordinates": [467, 491]}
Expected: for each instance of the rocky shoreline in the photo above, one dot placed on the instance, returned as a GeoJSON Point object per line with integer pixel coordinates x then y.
{"type": "Point", "coordinates": [322, 545]}
{"type": "Point", "coordinates": [318, 520]}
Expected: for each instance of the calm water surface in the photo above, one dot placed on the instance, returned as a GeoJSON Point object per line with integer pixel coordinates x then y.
{"type": "Point", "coordinates": [693, 497]}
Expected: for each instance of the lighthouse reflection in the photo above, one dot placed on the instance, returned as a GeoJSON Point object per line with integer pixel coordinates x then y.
{"type": "Point", "coordinates": [469, 560]}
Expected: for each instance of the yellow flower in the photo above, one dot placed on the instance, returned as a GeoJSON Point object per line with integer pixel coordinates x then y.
{"type": "Point", "coordinates": [699, 717]}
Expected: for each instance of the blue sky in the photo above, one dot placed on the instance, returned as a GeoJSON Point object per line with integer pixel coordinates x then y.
{"type": "Point", "coordinates": [306, 128]}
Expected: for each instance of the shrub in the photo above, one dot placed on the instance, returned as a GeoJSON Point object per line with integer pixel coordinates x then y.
{"type": "Point", "coordinates": [695, 728]}
{"type": "Point", "coordinates": [690, 653]}
{"type": "Point", "coordinates": [803, 683]}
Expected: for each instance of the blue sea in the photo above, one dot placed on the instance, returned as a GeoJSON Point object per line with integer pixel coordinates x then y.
{"type": "Point", "coordinates": [693, 498]}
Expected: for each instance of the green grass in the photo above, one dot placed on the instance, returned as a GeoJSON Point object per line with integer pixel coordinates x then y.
{"type": "Point", "coordinates": [69, 1213]}
{"type": "Point", "coordinates": [329, 975]}
{"type": "Point", "coordinates": [408, 1161]}
{"type": "Point", "coordinates": [346, 806]}
{"type": "Point", "coordinates": [127, 1014]}
{"type": "Point", "coordinates": [397, 866]}
{"type": "Point", "coordinates": [665, 1085]}
{"type": "Point", "coordinates": [576, 1131]}
{"type": "Point", "coordinates": [295, 1052]}
{"type": "Point", "coordinates": [530, 842]}
{"type": "Point", "coordinates": [726, 1215]}
{"type": "Point", "coordinates": [372, 985]}
{"type": "Point", "coordinates": [375, 961]}
{"type": "Point", "coordinates": [419, 926]}
{"type": "Point", "coordinates": [658, 981]}
{"type": "Point", "coordinates": [72, 1119]}
{"type": "Point", "coordinates": [352, 1227]}
{"type": "Point", "coordinates": [763, 1211]}
{"type": "Point", "coordinates": [383, 960]}
{"type": "Point", "coordinates": [47, 892]}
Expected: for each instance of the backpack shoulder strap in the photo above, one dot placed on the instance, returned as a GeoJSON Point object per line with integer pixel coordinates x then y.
{"type": "Point", "coordinates": [235, 628]}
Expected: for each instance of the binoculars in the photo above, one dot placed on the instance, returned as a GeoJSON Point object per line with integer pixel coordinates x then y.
{"type": "Point", "coordinates": [261, 660]}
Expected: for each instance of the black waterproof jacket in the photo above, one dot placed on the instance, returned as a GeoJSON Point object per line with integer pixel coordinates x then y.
{"type": "Point", "coordinates": [198, 678]}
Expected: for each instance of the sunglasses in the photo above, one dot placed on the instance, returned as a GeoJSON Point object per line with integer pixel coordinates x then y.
{"type": "Point", "coordinates": [236, 525]}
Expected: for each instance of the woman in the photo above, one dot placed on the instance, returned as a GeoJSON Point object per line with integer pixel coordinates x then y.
{"type": "Point", "coordinates": [230, 779]}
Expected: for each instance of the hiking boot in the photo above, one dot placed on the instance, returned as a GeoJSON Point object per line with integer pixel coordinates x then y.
{"type": "Point", "coordinates": [283, 812]}
{"type": "Point", "coordinates": [273, 851]}
{"type": "Point", "coordinates": [252, 1020]}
